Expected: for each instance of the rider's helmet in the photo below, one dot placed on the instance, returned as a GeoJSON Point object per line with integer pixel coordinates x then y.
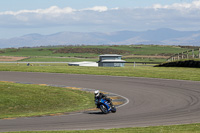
{"type": "Point", "coordinates": [96, 93]}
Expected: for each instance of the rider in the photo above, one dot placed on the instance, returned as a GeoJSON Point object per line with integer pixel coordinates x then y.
{"type": "Point", "coordinates": [99, 96]}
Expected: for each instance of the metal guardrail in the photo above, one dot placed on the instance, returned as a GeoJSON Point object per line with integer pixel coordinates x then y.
{"type": "Point", "coordinates": [189, 54]}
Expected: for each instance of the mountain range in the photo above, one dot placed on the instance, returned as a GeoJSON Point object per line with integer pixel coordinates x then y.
{"type": "Point", "coordinates": [162, 36]}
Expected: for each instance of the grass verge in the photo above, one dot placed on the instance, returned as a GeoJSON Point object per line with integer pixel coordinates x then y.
{"type": "Point", "coordinates": [72, 59]}
{"type": "Point", "coordinates": [180, 73]}
{"type": "Point", "coordinates": [56, 59]}
{"type": "Point", "coordinates": [19, 100]}
{"type": "Point", "coordinates": [192, 128]}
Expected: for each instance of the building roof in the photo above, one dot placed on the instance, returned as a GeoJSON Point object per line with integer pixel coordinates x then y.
{"type": "Point", "coordinates": [116, 61]}
{"type": "Point", "coordinates": [84, 63]}
{"type": "Point", "coordinates": [110, 55]}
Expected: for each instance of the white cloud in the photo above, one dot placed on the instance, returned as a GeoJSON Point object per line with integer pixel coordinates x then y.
{"type": "Point", "coordinates": [51, 10]}
{"type": "Point", "coordinates": [55, 10]}
{"type": "Point", "coordinates": [96, 8]}
{"type": "Point", "coordinates": [179, 6]}
{"type": "Point", "coordinates": [184, 16]}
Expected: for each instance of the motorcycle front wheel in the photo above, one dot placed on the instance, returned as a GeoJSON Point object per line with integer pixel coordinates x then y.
{"type": "Point", "coordinates": [113, 110]}
{"type": "Point", "coordinates": [104, 109]}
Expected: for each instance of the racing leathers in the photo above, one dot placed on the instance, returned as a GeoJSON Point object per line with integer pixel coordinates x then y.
{"type": "Point", "coordinates": [102, 96]}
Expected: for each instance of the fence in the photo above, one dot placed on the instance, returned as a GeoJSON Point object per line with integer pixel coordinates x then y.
{"type": "Point", "coordinates": [189, 54]}
{"type": "Point", "coordinates": [136, 64]}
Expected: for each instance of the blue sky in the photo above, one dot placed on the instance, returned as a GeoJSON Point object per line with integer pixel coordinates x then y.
{"type": "Point", "coordinates": [51, 16]}
{"type": "Point", "coordinates": [77, 4]}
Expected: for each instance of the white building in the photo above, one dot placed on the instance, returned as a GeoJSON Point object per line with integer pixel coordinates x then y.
{"type": "Point", "coordinates": [111, 60]}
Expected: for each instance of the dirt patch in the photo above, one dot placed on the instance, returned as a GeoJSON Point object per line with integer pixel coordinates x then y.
{"type": "Point", "coordinates": [11, 58]}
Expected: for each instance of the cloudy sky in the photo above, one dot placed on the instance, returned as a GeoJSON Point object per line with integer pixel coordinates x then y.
{"type": "Point", "coordinates": [20, 17]}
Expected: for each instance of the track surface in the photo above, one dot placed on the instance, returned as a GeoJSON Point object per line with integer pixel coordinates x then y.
{"type": "Point", "coordinates": [151, 102]}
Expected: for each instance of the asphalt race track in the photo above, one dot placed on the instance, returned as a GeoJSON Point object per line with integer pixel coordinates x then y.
{"type": "Point", "coordinates": [151, 102]}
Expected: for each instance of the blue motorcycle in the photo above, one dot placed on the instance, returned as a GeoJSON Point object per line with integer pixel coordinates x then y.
{"type": "Point", "coordinates": [105, 106]}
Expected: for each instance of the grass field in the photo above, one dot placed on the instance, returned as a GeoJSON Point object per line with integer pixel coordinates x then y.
{"type": "Point", "coordinates": [138, 71]}
{"type": "Point", "coordinates": [73, 59]}
{"type": "Point", "coordinates": [56, 59]}
{"type": "Point", "coordinates": [82, 53]}
{"type": "Point", "coordinates": [133, 49]}
{"type": "Point", "coordinates": [18, 100]}
{"type": "Point", "coordinates": [133, 59]}
{"type": "Point", "coordinates": [192, 128]}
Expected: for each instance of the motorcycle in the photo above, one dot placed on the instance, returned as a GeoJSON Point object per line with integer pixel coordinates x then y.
{"type": "Point", "coordinates": [105, 106]}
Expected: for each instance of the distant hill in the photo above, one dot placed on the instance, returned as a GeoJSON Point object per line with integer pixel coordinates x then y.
{"type": "Point", "coordinates": [160, 36]}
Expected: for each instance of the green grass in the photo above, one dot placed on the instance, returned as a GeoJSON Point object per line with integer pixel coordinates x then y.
{"type": "Point", "coordinates": [66, 59]}
{"type": "Point", "coordinates": [46, 54]}
{"type": "Point", "coordinates": [151, 49]}
{"type": "Point", "coordinates": [145, 60]}
{"type": "Point", "coordinates": [133, 49]}
{"type": "Point", "coordinates": [191, 128]}
{"type": "Point", "coordinates": [55, 59]}
{"type": "Point", "coordinates": [180, 73]}
{"type": "Point", "coordinates": [19, 100]}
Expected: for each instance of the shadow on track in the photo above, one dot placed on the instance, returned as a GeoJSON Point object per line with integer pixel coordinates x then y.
{"type": "Point", "coordinates": [95, 113]}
